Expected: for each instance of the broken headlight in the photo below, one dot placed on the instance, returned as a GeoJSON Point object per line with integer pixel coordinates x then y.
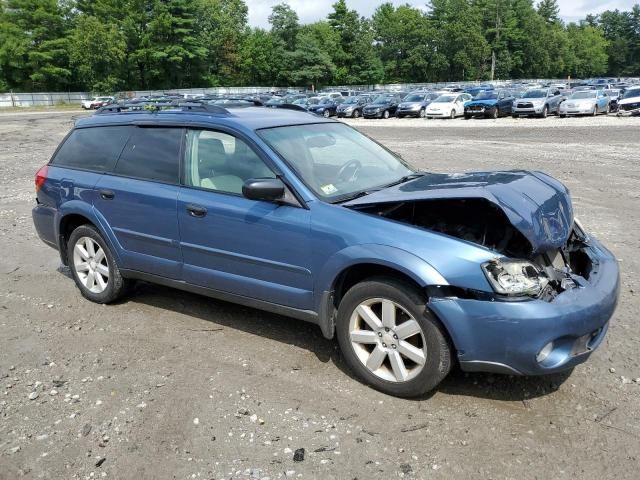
{"type": "Point", "coordinates": [515, 277]}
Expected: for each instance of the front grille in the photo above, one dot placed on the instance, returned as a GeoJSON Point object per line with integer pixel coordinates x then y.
{"type": "Point", "coordinates": [525, 105]}
{"type": "Point", "coordinates": [476, 108]}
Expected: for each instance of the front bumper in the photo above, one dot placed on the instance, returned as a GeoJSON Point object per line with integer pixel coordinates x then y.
{"type": "Point", "coordinates": [409, 112]}
{"type": "Point", "coordinates": [482, 111]}
{"type": "Point", "coordinates": [628, 113]}
{"type": "Point", "coordinates": [528, 111]}
{"type": "Point", "coordinates": [366, 114]}
{"type": "Point", "coordinates": [506, 337]}
{"type": "Point", "coordinates": [577, 110]}
{"type": "Point", "coordinates": [437, 113]}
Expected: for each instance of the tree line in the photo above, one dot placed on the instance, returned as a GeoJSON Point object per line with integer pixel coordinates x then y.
{"type": "Point", "coordinates": [113, 45]}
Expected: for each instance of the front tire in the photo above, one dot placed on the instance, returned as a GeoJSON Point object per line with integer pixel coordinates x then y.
{"type": "Point", "coordinates": [385, 114]}
{"type": "Point", "coordinates": [389, 338]}
{"type": "Point", "coordinates": [355, 114]}
{"type": "Point", "coordinates": [326, 114]}
{"type": "Point", "coordinates": [545, 112]}
{"type": "Point", "coordinates": [93, 266]}
{"type": "Point", "coordinates": [421, 113]}
{"type": "Point", "coordinates": [452, 115]}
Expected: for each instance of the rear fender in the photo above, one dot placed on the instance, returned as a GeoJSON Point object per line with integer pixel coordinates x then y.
{"type": "Point", "coordinates": [78, 207]}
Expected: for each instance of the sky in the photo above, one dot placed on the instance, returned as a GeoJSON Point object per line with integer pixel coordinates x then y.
{"type": "Point", "coordinates": [312, 10]}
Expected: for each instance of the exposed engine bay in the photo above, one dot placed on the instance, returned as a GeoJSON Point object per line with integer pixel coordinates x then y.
{"type": "Point", "coordinates": [482, 222]}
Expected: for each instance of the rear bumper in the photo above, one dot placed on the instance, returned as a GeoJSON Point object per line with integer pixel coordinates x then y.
{"type": "Point", "coordinates": [44, 219]}
{"type": "Point", "coordinates": [506, 337]}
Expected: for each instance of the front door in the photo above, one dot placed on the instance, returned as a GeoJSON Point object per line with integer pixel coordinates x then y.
{"type": "Point", "coordinates": [230, 243]}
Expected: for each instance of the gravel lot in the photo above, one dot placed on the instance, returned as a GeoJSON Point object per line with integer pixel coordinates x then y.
{"type": "Point", "coordinates": [172, 385]}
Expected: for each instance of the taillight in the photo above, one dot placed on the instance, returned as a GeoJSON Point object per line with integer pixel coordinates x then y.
{"type": "Point", "coordinates": [41, 176]}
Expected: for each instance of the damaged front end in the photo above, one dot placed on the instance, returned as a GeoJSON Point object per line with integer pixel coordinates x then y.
{"type": "Point", "coordinates": [526, 218]}
{"type": "Point", "coordinates": [518, 271]}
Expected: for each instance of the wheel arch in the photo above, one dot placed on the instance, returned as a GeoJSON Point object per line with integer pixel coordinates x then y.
{"type": "Point", "coordinates": [356, 263]}
{"type": "Point", "coordinates": [74, 214]}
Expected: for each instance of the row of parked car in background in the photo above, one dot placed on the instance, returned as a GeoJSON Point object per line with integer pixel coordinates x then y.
{"type": "Point", "coordinates": [479, 101]}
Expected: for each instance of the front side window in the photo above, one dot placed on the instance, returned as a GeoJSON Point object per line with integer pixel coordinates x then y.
{"type": "Point", "coordinates": [335, 160]}
{"type": "Point", "coordinates": [152, 154]}
{"type": "Point", "coordinates": [95, 149]}
{"type": "Point", "coordinates": [221, 162]}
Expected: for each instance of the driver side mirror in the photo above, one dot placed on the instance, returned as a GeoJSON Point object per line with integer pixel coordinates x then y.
{"type": "Point", "coordinates": [265, 189]}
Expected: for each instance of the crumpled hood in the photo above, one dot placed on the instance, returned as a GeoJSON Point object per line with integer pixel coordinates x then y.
{"type": "Point", "coordinates": [535, 203]}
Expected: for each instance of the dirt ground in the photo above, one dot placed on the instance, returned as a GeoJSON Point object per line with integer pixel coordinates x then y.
{"type": "Point", "coordinates": [171, 385]}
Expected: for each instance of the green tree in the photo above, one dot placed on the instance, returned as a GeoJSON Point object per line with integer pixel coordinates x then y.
{"type": "Point", "coordinates": [284, 24]}
{"type": "Point", "coordinates": [310, 63]}
{"type": "Point", "coordinates": [37, 44]}
{"type": "Point", "coordinates": [96, 51]}
{"type": "Point", "coordinates": [589, 50]}
{"type": "Point", "coordinates": [549, 11]}
{"type": "Point", "coordinates": [261, 58]}
{"type": "Point", "coordinates": [466, 53]}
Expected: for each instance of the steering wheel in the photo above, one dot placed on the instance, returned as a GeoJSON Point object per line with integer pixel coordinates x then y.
{"type": "Point", "coordinates": [355, 165]}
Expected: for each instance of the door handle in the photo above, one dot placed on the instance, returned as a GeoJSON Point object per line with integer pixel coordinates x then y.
{"type": "Point", "coordinates": [196, 211]}
{"type": "Point", "coordinates": [107, 194]}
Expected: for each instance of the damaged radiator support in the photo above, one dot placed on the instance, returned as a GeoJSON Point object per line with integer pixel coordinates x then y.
{"type": "Point", "coordinates": [484, 223]}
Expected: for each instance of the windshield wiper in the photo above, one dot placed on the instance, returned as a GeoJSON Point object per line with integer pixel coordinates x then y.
{"type": "Point", "coordinates": [404, 179]}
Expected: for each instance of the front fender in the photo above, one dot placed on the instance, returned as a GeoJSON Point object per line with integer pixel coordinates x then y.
{"type": "Point", "coordinates": [395, 258]}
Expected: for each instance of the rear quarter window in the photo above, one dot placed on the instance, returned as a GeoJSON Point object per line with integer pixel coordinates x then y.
{"type": "Point", "coordinates": [152, 153]}
{"type": "Point", "coordinates": [94, 149]}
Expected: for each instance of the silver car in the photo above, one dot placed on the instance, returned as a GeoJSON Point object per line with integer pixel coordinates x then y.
{"type": "Point", "coordinates": [587, 102]}
{"type": "Point", "coordinates": [538, 102]}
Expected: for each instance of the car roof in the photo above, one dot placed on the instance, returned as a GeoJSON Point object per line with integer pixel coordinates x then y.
{"type": "Point", "coordinates": [252, 118]}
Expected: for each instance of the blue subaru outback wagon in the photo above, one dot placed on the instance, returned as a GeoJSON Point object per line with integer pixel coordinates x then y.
{"type": "Point", "coordinates": [413, 272]}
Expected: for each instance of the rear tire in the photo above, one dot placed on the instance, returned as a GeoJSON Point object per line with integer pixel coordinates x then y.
{"type": "Point", "coordinates": [93, 266]}
{"type": "Point", "coordinates": [403, 353]}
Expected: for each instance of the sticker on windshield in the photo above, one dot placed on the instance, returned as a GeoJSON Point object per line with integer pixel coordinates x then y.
{"type": "Point", "coordinates": [328, 189]}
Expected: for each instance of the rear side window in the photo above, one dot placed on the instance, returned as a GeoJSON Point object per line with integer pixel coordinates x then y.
{"type": "Point", "coordinates": [152, 154]}
{"type": "Point", "coordinates": [94, 149]}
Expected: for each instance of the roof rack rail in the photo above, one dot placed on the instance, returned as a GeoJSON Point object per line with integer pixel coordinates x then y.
{"type": "Point", "coordinates": [195, 105]}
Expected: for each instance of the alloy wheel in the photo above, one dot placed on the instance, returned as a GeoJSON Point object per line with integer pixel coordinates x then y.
{"type": "Point", "coordinates": [91, 265]}
{"type": "Point", "coordinates": [387, 340]}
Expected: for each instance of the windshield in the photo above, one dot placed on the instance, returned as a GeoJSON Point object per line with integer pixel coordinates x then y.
{"type": "Point", "coordinates": [632, 93]}
{"type": "Point", "coordinates": [535, 94]}
{"type": "Point", "coordinates": [276, 101]}
{"type": "Point", "coordinates": [583, 94]}
{"type": "Point", "coordinates": [300, 101]}
{"type": "Point", "coordinates": [325, 101]}
{"type": "Point", "coordinates": [445, 99]}
{"type": "Point", "coordinates": [486, 96]}
{"type": "Point", "coordinates": [352, 100]}
{"type": "Point", "coordinates": [335, 160]}
{"type": "Point", "coordinates": [414, 98]}
{"type": "Point", "coordinates": [383, 99]}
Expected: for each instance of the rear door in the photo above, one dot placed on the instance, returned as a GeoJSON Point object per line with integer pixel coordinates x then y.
{"type": "Point", "coordinates": [138, 201]}
{"type": "Point", "coordinates": [230, 243]}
